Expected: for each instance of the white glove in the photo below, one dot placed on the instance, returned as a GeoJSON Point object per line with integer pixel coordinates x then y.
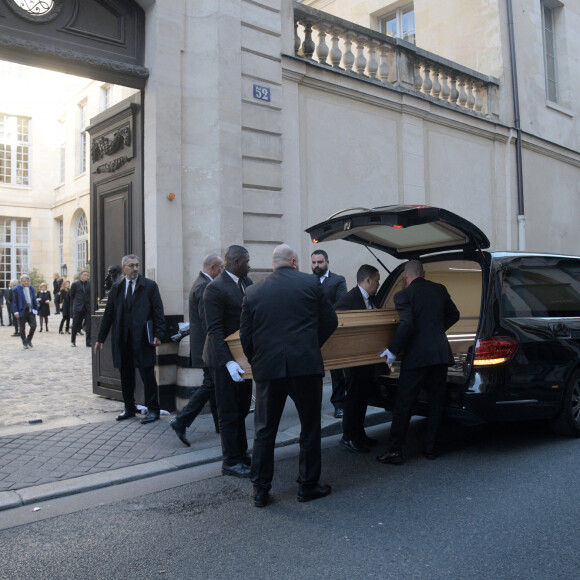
{"type": "Point", "coordinates": [236, 371]}
{"type": "Point", "coordinates": [35, 312]}
{"type": "Point", "coordinates": [390, 356]}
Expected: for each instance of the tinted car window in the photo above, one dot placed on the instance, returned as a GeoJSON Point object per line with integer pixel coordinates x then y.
{"type": "Point", "coordinates": [541, 287]}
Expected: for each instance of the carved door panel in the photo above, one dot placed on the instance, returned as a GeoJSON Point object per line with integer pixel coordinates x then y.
{"type": "Point", "coordinates": [116, 217]}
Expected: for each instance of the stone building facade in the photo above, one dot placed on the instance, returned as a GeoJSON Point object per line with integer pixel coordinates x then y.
{"type": "Point", "coordinates": [264, 117]}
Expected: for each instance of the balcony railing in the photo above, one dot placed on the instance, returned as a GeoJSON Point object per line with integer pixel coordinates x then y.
{"type": "Point", "coordinates": [362, 52]}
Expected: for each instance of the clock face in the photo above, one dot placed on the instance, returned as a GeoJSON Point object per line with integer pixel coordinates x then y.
{"type": "Point", "coordinates": [35, 7]}
{"type": "Point", "coordinates": [36, 10]}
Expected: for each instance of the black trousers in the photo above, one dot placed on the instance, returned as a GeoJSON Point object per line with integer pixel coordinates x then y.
{"type": "Point", "coordinates": [233, 403]}
{"type": "Point", "coordinates": [62, 323]}
{"type": "Point", "coordinates": [434, 379]}
{"type": "Point", "coordinates": [359, 385]}
{"type": "Point", "coordinates": [128, 381]}
{"type": "Point", "coordinates": [77, 324]}
{"type": "Point", "coordinates": [338, 388]}
{"type": "Point", "coordinates": [29, 318]}
{"type": "Point", "coordinates": [306, 392]}
{"type": "Point", "coordinates": [197, 402]}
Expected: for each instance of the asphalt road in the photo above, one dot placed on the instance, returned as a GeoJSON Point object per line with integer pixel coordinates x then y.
{"type": "Point", "coordinates": [501, 503]}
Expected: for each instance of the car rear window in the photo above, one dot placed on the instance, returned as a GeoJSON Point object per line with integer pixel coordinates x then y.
{"type": "Point", "coordinates": [541, 287]}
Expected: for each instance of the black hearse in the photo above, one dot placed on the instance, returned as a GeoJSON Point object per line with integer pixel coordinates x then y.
{"type": "Point", "coordinates": [517, 344]}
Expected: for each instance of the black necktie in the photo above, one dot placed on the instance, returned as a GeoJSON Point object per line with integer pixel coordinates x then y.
{"type": "Point", "coordinates": [129, 296]}
{"type": "Point", "coordinates": [241, 286]}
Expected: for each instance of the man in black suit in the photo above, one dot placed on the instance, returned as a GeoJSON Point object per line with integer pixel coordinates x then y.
{"type": "Point", "coordinates": [56, 286]}
{"type": "Point", "coordinates": [211, 267]}
{"type": "Point", "coordinates": [132, 303]}
{"type": "Point", "coordinates": [4, 298]}
{"type": "Point", "coordinates": [426, 312]}
{"type": "Point", "coordinates": [286, 318]}
{"type": "Point", "coordinates": [222, 302]}
{"type": "Point", "coordinates": [334, 286]}
{"type": "Point", "coordinates": [9, 301]}
{"type": "Point", "coordinates": [359, 380]}
{"type": "Point", "coordinates": [80, 305]}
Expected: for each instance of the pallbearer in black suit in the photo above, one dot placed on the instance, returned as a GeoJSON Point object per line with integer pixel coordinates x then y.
{"type": "Point", "coordinates": [132, 302]}
{"type": "Point", "coordinates": [80, 306]}
{"type": "Point", "coordinates": [426, 312]}
{"type": "Point", "coordinates": [359, 380]}
{"type": "Point", "coordinates": [222, 302]}
{"type": "Point", "coordinates": [334, 286]}
{"type": "Point", "coordinates": [286, 318]}
{"type": "Point", "coordinates": [211, 267]}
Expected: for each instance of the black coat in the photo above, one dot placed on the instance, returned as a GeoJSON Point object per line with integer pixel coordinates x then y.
{"type": "Point", "coordinates": [197, 326]}
{"type": "Point", "coordinates": [286, 318]}
{"type": "Point", "coordinates": [65, 302]}
{"type": "Point", "coordinates": [56, 286]}
{"type": "Point", "coordinates": [147, 305]}
{"type": "Point", "coordinates": [352, 300]}
{"type": "Point", "coordinates": [426, 312]}
{"type": "Point", "coordinates": [80, 296]}
{"type": "Point", "coordinates": [44, 299]}
{"type": "Point", "coordinates": [333, 287]}
{"type": "Point", "coordinates": [222, 301]}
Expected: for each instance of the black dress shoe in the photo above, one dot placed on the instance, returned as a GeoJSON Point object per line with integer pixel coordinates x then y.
{"type": "Point", "coordinates": [353, 446]}
{"type": "Point", "coordinates": [338, 413]}
{"type": "Point", "coordinates": [180, 432]}
{"type": "Point", "coordinates": [29, 343]}
{"type": "Point", "coordinates": [433, 454]}
{"type": "Point", "coordinates": [150, 417]}
{"type": "Point", "coordinates": [367, 441]}
{"type": "Point", "coordinates": [238, 470]}
{"type": "Point", "coordinates": [126, 414]}
{"type": "Point", "coordinates": [316, 492]}
{"type": "Point", "coordinates": [261, 498]}
{"type": "Point", "coordinates": [247, 460]}
{"type": "Point", "coordinates": [392, 457]}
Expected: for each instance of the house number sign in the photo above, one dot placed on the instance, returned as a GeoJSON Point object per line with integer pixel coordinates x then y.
{"type": "Point", "coordinates": [262, 93]}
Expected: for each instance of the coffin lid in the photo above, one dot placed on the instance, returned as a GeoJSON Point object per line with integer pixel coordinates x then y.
{"type": "Point", "coordinates": [404, 231]}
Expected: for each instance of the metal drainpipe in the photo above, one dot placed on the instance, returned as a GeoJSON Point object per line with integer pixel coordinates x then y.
{"type": "Point", "coordinates": [519, 173]}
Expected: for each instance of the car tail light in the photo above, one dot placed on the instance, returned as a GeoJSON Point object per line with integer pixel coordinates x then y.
{"type": "Point", "coordinates": [496, 350]}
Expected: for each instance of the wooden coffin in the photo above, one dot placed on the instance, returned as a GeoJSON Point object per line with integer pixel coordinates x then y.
{"type": "Point", "coordinates": [360, 337]}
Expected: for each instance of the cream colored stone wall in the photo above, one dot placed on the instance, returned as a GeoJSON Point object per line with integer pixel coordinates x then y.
{"type": "Point", "coordinates": [51, 102]}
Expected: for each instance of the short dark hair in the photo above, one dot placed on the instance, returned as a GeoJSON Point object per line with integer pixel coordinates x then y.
{"type": "Point", "coordinates": [321, 252]}
{"type": "Point", "coordinates": [364, 272]}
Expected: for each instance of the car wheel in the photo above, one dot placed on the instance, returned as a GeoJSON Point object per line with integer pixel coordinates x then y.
{"type": "Point", "coordinates": [567, 422]}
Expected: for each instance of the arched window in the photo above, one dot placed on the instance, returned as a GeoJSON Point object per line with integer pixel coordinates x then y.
{"type": "Point", "coordinates": [82, 241]}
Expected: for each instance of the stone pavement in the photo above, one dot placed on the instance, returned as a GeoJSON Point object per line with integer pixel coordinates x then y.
{"type": "Point", "coordinates": [79, 446]}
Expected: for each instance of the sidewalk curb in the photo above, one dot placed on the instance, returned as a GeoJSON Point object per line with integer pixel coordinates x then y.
{"type": "Point", "coordinates": [47, 491]}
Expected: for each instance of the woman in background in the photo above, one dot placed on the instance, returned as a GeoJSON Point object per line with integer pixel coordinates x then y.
{"type": "Point", "coordinates": [44, 299]}
{"type": "Point", "coordinates": [65, 306]}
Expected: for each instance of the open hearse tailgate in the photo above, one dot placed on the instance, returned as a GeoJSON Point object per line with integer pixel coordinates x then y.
{"type": "Point", "coordinates": [404, 231]}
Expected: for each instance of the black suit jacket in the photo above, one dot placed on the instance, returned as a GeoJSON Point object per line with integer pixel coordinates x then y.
{"type": "Point", "coordinates": [80, 296]}
{"type": "Point", "coordinates": [197, 326]}
{"type": "Point", "coordinates": [147, 305]}
{"type": "Point", "coordinates": [352, 300]}
{"type": "Point", "coordinates": [222, 302]}
{"type": "Point", "coordinates": [333, 287]}
{"type": "Point", "coordinates": [426, 312]}
{"type": "Point", "coordinates": [286, 318]}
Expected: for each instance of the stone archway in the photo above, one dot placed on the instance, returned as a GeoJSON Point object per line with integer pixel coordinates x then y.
{"type": "Point", "coordinates": [99, 39]}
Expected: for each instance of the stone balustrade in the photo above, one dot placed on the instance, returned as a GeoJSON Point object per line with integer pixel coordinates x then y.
{"type": "Point", "coordinates": [348, 47]}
